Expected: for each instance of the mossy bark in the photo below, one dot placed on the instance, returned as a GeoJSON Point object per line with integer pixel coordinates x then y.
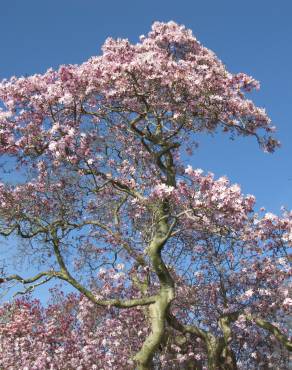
{"type": "Point", "coordinates": [220, 356]}
{"type": "Point", "coordinates": [157, 311]}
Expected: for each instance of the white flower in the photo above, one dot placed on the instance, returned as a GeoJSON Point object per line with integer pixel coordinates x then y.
{"type": "Point", "coordinates": [163, 189]}
{"type": "Point", "coordinates": [287, 302]}
{"type": "Point", "coordinates": [120, 266]}
{"type": "Point", "coordinates": [55, 127]}
{"type": "Point", "coordinates": [66, 99]}
{"type": "Point", "coordinates": [71, 131]}
{"type": "Point", "coordinates": [270, 216]}
{"type": "Point", "coordinates": [197, 172]}
{"type": "Point", "coordinates": [247, 294]}
{"type": "Point", "coordinates": [52, 146]}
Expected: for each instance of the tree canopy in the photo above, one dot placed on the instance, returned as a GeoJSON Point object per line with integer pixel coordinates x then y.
{"type": "Point", "coordinates": [173, 268]}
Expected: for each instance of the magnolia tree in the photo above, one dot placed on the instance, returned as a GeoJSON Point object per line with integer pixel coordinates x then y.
{"type": "Point", "coordinates": [173, 269]}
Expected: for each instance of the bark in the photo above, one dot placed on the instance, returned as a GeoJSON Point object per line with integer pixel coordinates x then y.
{"type": "Point", "coordinates": [220, 356]}
{"type": "Point", "coordinates": [281, 337]}
{"type": "Point", "coordinates": [157, 311]}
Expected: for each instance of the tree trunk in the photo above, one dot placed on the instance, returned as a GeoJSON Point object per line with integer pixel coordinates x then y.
{"type": "Point", "coordinates": [220, 356]}
{"type": "Point", "coordinates": [158, 310]}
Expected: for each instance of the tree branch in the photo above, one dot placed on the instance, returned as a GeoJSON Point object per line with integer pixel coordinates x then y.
{"type": "Point", "coordinates": [273, 330]}
{"type": "Point", "coordinates": [66, 276]}
{"type": "Point", "coordinates": [192, 329]}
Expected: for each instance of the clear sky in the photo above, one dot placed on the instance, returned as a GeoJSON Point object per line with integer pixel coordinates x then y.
{"type": "Point", "coordinates": [254, 37]}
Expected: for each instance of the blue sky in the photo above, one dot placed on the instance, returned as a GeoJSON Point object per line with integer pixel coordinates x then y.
{"type": "Point", "coordinates": [254, 37]}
